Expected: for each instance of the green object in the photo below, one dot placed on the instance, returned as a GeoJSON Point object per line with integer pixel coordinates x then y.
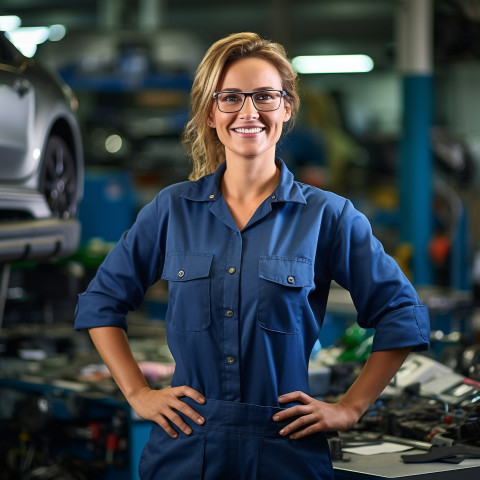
{"type": "Point", "coordinates": [358, 342]}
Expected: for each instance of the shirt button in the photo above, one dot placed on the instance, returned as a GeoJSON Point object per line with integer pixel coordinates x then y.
{"type": "Point", "coordinates": [274, 197]}
{"type": "Point", "coordinates": [181, 273]}
{"type": "Point", "coordinates": [229, 313]}
{"type": "Point", "coordinates": [211, 196]}
{"type": "Point", "coordinates": [291, 279]}
{"type": "Point", "coordinates": [231, 360]}
{"type": "Point", "coordinates": [232, 270]}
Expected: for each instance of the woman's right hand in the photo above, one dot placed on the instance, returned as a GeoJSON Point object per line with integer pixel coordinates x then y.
{"type": "Point", "coordinates": [161, 406]}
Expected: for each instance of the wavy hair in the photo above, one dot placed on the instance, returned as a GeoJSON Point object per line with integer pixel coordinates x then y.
{"type": "Point", "coordinates": [200, 141]}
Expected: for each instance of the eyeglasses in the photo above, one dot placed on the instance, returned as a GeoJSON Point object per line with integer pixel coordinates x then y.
{"type": "Point", "coordinates": [263, 100]}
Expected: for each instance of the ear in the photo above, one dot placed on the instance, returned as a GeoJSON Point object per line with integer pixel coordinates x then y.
{"type": "Point", "coordinates": [211, 121]}
{"type": "Point", "coordinates": [288, 112]}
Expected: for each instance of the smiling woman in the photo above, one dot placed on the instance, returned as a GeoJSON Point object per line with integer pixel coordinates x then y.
{"type": "Point", "coordinates": [249, 255]}
{"type": "Point", "coordinates": [201, 141]}
{"type": "Point", "coordinates": [245, 128]}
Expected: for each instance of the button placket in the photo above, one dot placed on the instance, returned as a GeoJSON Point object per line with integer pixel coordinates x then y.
{"type": "Point", "coordinates": [231, 296]}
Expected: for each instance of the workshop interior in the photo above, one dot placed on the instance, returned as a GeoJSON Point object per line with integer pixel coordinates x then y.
{"type": "Point", "coordinates": [93, 99]}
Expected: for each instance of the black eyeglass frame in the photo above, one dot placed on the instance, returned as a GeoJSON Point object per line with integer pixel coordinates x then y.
{"type": "Point", "coordinates": [250, 94]}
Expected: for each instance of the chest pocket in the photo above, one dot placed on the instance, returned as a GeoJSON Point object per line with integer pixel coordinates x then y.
{"type": "Point", "coordinates": [188, 276]}
{"type": "Point", "coordinates": [284, 286]}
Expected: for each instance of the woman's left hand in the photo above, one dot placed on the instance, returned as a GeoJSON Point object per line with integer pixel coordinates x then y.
{"type": "Point", "coordinates": [313, 416]}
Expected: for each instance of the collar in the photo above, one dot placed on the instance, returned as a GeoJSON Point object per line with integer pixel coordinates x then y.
{"type": "Point", "coordinates": [207, 188]}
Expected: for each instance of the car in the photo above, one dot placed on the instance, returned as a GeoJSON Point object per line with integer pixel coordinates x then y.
{"type": "Point", "coordinates": [41, 160]}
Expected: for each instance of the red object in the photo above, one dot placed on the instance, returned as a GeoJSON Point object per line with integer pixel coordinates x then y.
{"type": "Point", "coordinates": [94, 430]}
{"type": "Point", "coordinates": [439, 249]}
{"type": "Point", "coordinates": [111, 442]}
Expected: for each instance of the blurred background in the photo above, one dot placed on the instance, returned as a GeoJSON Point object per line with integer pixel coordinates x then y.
{"type": "Point", "coordinates": [400, 137]}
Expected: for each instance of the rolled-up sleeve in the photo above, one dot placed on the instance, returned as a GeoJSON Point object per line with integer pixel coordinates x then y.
{"type": "Point", "coordinates": [383, 296]}
{"type": "Point", "coordinates": [123, 278]}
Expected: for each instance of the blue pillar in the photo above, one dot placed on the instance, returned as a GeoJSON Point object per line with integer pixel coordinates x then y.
{"type": "Point", "coordinates": [460, 270]}
{"type": "Point", "coordinates": [414, 37]}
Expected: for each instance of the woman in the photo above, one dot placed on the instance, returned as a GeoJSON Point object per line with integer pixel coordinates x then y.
{"type": "Point", "coordinates": [249, 255]}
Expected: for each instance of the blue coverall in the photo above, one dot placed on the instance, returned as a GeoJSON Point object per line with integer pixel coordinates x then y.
{"type": "Point", "coordinates": [244, 311]}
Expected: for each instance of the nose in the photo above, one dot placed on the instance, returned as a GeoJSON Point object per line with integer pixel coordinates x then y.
{"type": "Point", "coordinates": [248, 107]}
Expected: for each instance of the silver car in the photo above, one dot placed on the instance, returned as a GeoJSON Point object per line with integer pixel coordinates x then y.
{"type": "Point", "coordinates": [41, 160]}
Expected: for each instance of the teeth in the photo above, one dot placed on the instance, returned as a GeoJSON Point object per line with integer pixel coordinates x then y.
{"type": "Point", "coordinates": [248, 130]}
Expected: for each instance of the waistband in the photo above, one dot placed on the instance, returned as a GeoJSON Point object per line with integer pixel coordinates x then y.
{"type": "Point", "coordinates": [236, 417]}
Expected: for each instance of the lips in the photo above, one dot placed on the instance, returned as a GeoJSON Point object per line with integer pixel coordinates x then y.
{"type": "Point", "coordinates": [248, 130]}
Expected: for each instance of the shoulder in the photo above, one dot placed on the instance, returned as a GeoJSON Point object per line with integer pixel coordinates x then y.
{"type": "Point", "coordinates": [336, 211]}
{"type": "Point", "coordinates": [317, 197]}
{"type": "Point", "coordinates": [198, 190]}
{"type": "Point", "coordinates": [174, 190]}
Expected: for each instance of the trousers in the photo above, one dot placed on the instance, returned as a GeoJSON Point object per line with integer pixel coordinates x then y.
{"type": "Point", "coordinates": [238, 441]}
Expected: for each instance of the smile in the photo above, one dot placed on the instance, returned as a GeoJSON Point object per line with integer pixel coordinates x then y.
{"type": "Point", "coordinates": [248, 130]}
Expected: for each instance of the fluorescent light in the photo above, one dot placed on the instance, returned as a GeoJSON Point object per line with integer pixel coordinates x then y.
{"type": "Point", "coordinates": [332, 64]}
{"type": "Point", "coordinates": [26, 39]}
{"type": "Point", "coordinates": [56, 32]}
{"type": "Point", "coordinates": [9, 22]}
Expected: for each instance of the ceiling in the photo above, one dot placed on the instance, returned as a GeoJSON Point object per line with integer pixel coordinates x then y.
{"type": "Point", "coordinates": [303, 26]}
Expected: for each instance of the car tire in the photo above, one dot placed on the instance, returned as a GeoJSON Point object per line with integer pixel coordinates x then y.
{"type": "Point", "coordinates": [58, 179]}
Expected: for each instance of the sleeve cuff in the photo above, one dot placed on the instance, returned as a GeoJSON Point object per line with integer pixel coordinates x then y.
{"type": "Point", "coordinates": [407, 327]}
{"type": "Point", "coordinates": [95, 310]}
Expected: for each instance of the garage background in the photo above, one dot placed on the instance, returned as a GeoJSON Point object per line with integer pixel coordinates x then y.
{"type": "Point", "coordinates": [131, 63]}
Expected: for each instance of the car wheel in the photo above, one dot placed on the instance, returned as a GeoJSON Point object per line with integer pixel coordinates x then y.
{"type": "Point", "coordinates": [58, 181]}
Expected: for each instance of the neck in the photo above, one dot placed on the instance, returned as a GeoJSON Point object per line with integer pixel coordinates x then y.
{"type": "Point", "coordinates": [244, 180]}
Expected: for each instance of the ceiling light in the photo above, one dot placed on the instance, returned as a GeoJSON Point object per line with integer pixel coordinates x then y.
{"type": "Point", "coordinates": [9, 22]}
{"type": "Point", "coordinates": [26, 39]}
{"type": "Point", "coordinates": [332, 64]}
{"type": "Point", "coordinates": [56, 32]}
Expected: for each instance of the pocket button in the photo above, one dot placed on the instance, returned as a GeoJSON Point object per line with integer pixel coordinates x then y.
{"type": "Point", "coordinates": [291, 279]}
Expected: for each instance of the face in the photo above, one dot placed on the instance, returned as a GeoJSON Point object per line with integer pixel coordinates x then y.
{"type": "Point", "coordinates": [250, 133]}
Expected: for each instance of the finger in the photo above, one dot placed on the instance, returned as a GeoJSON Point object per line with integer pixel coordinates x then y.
{"type": "Point", "coordinates": [165, 424]}
{"type": "Point", "coordinates": [187, 410]}
{"type": "Point", "coordinates": [305, 432]}
{"type": "Point", "coordinates": [186, 391]}
{"type": "Point", "coordinates": [297, 396]}
{"type": "Point", "coordinates": [297, 410]}
{"type": "Point", "coordinates": [178, 421]}
{"type": "Point", "coordinates": [298, 424]}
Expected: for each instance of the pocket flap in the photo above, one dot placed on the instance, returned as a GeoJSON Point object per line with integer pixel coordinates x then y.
{"type": "Point", "coordinates": [287, 271]}
{"type": "Point", "coordinates": [181, 267]}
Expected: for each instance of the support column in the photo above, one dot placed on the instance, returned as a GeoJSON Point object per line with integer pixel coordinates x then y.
{"type": "Point", "coordinates": [110, 14]}
{"type": "Point", "coordinates": [415, 64]}
{"type": "Point", "coordinates": [151, 14]}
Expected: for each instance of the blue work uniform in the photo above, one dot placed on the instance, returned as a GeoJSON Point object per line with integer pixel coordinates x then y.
{"type": "Point", "coordinates": [245, 309]}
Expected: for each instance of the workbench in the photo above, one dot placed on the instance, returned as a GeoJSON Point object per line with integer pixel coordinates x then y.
{"type": "Point", "coordinates": [391, 466]}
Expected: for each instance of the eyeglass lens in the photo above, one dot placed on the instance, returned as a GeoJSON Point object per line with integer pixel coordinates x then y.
{"type": "Point", "coordinates": [263, 101]}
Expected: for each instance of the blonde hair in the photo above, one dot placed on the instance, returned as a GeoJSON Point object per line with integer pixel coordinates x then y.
{"type": "Point", "coordinates": [201, 141]}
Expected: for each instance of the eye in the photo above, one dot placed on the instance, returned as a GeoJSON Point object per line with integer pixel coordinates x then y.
{"type": "Point", "coordinates": [265, 97]}
{"type": "Point", "coordinates": [230, 98]}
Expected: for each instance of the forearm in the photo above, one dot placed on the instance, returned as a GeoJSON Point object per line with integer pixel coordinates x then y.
{"type": "Point", "coordinates": [114, 349]}
{"type": "Point", "coordinates": [376, 374]}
